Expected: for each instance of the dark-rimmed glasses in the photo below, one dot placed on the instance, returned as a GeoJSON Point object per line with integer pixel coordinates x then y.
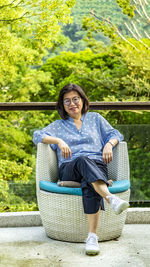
{"type": "Point", "coordinates": [75, 100]}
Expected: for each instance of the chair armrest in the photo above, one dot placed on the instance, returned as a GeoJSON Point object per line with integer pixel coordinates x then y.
{"type": "Point", "coordinates": [119, 169]}
{"type": "Point", "coordinates": [46, 164]}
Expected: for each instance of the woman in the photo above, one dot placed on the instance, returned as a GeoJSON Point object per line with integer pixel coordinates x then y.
{"type": "Point", "coordinates": [84, 142]}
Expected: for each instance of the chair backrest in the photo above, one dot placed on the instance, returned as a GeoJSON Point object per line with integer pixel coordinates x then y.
{"type": "Point", "coordinates": [118, 168]}
{"type": "Point", "coordinates": [47, 165]}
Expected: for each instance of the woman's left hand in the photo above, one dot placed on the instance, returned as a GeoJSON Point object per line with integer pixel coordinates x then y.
{"type": "Point", "coordinates": [107, 153]}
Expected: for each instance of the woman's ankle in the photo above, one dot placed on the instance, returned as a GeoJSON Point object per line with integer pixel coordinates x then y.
{"type": "Point", "coordinates": [107, 198]}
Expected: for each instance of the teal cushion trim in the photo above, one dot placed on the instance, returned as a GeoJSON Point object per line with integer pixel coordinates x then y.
{"type": "Point", "coordinates": [118, 186]}
{"type": "Point", "coordinates": [54, 188]}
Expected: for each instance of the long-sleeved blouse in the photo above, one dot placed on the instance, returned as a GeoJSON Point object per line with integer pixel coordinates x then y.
{"type": "Point", "coordinates": [88, 141]}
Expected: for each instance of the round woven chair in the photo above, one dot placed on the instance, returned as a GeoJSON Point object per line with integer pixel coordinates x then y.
{"type": "Point", "coordinates": [62, 212]}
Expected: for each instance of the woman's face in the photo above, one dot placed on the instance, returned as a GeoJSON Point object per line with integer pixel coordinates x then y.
{"type": "Point", "coordinates": [73, 104]}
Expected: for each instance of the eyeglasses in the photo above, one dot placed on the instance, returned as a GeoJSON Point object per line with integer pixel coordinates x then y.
{"type": "Point", "coordinates": [75, 100]}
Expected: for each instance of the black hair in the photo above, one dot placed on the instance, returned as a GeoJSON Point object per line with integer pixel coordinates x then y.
{"type": "Point", "coordinates": [66, 89]}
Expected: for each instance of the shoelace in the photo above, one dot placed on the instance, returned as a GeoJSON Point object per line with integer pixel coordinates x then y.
{"type": "Point", "coordinates": [115, 201]}
{"type": "Point", "coordinates": [91, 240]}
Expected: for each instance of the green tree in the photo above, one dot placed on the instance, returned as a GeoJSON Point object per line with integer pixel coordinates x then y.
{"type": "Point", "coordinates": [26, 29]}
{"type": "Point", "coordinates": [102, 72]}
{"type": "Point", "coordinates": [131, 18]}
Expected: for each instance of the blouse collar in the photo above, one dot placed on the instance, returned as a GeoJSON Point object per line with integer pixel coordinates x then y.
{"type": "Point", "coordinates": [71, 119]}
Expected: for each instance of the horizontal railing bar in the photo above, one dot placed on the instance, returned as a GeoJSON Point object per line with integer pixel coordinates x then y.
{"type": "Point", "coordinates": [141, 201]}
{"type": "Point", "coordinates": [137, 105]}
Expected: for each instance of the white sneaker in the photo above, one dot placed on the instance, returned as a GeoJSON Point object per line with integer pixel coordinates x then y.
{"type": "Point", "coordinates": [117, 204]}
{"type": "Point", "coordinates": [92, 247]}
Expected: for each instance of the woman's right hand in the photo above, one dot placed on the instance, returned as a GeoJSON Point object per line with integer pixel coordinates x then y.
{"type": "Point", "coordinates": [65, 149]}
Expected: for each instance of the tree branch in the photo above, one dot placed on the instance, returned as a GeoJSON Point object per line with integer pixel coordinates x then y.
{"type": "Point", "coordinates": [11, 20]}
{"type": "Point", "coordinates": [135, 2]}
{"type": "Point", "coordinates": [144, 11]}
{"type": "Point", "coordinates": [127, 41]}
{"type": "Point", "coordinates": [117, 31]}
{"type": "Point", "coordinates": [133, 34]}
{"type": "Point", "coordinates": [147, 35]}
{"type": "Point", "coordinates": [134, 26]}
{"type": "Point", "coordinates": [139, 12]}
{"type": "Point", "coordinates": [137, 9]}
{"type": "Point", "coordinates": [145, 2]}
{"type": "Point", "coordinates": [18, 4]}
{"type": "Point", "coordinates": [8, 4]}
{"type": "Point", "coordinates": [137, 34]}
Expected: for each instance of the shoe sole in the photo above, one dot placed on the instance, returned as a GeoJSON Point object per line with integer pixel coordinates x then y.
{"type": "Point", "coordinates": [92, 252]}
{"type": "Point", "coordinates": [122, 207]}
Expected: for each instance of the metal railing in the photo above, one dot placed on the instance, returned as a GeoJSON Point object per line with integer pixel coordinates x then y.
{"type": "Point", "coordinates": [93, 105]}
{"type": "Point", "coordinates": [128, 106]}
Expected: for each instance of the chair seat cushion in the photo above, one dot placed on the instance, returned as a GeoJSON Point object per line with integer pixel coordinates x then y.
{"type": "Point", "coordinates": [117, 187]}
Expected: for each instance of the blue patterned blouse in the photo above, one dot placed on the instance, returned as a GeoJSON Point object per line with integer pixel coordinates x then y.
{"type": "Point", "coordinates": [88, 141]}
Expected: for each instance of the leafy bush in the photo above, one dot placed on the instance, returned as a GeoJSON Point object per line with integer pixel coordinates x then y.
{"type": "Point", "coordinates": [108, 72]}
{"type": "Point", "coordinates": [138, 140]}
{"type": "Point", "coordinates": [140, 166]}
{"type": "Point", "coordinates": [13, 171]}
{"type": "Point", "coordinates": [11, 202]}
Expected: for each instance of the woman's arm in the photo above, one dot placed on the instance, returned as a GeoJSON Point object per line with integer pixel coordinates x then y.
{"type": "Point", "coordinates": [50, 140]}
{"type": "Point", "coordinates": [110, 138]}
{"type": "Point", "coordinates": [113, 142]}
{"type": "Point", "coordinates": [107, 150]}
{"type": "Point", "coordinates": [65, 150]}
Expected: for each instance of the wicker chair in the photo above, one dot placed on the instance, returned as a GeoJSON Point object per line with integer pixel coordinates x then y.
{"type": "Point", "coordinates": [62, 214]}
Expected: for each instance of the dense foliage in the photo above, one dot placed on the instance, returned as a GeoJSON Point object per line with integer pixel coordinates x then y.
{"type": "Point", "coordinates": [116, 72]}
{"type": "Point", "coordinates": [130, 20]}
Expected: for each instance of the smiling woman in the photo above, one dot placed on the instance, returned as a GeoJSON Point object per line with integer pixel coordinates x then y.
{"type": "Point", "coordinates": [84, 142]}
{"type": "Point", "coordinates": [73, 105]}
{"type": "Point", "coordinates": [72, 96]}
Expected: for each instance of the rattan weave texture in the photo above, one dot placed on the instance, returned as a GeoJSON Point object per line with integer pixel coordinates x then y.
{"type": "Point", "coordinates": [62, 215]}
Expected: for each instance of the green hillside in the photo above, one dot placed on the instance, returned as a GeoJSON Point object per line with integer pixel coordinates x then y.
{"type": "Point", "coordinates": [103, 9]}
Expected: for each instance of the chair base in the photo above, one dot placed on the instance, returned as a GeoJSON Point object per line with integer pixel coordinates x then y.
{"type": "Point", "coordinates": [63, 217]}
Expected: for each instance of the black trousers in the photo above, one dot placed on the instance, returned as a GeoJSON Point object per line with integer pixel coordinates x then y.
{"type": "Point", "coordinates": [86, 171]}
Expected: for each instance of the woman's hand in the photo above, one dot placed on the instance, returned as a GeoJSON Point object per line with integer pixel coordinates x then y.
{"type": "Point", "coordinates": [107, 153]}
{"type": "Point", "coordinates": [65, 150]}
